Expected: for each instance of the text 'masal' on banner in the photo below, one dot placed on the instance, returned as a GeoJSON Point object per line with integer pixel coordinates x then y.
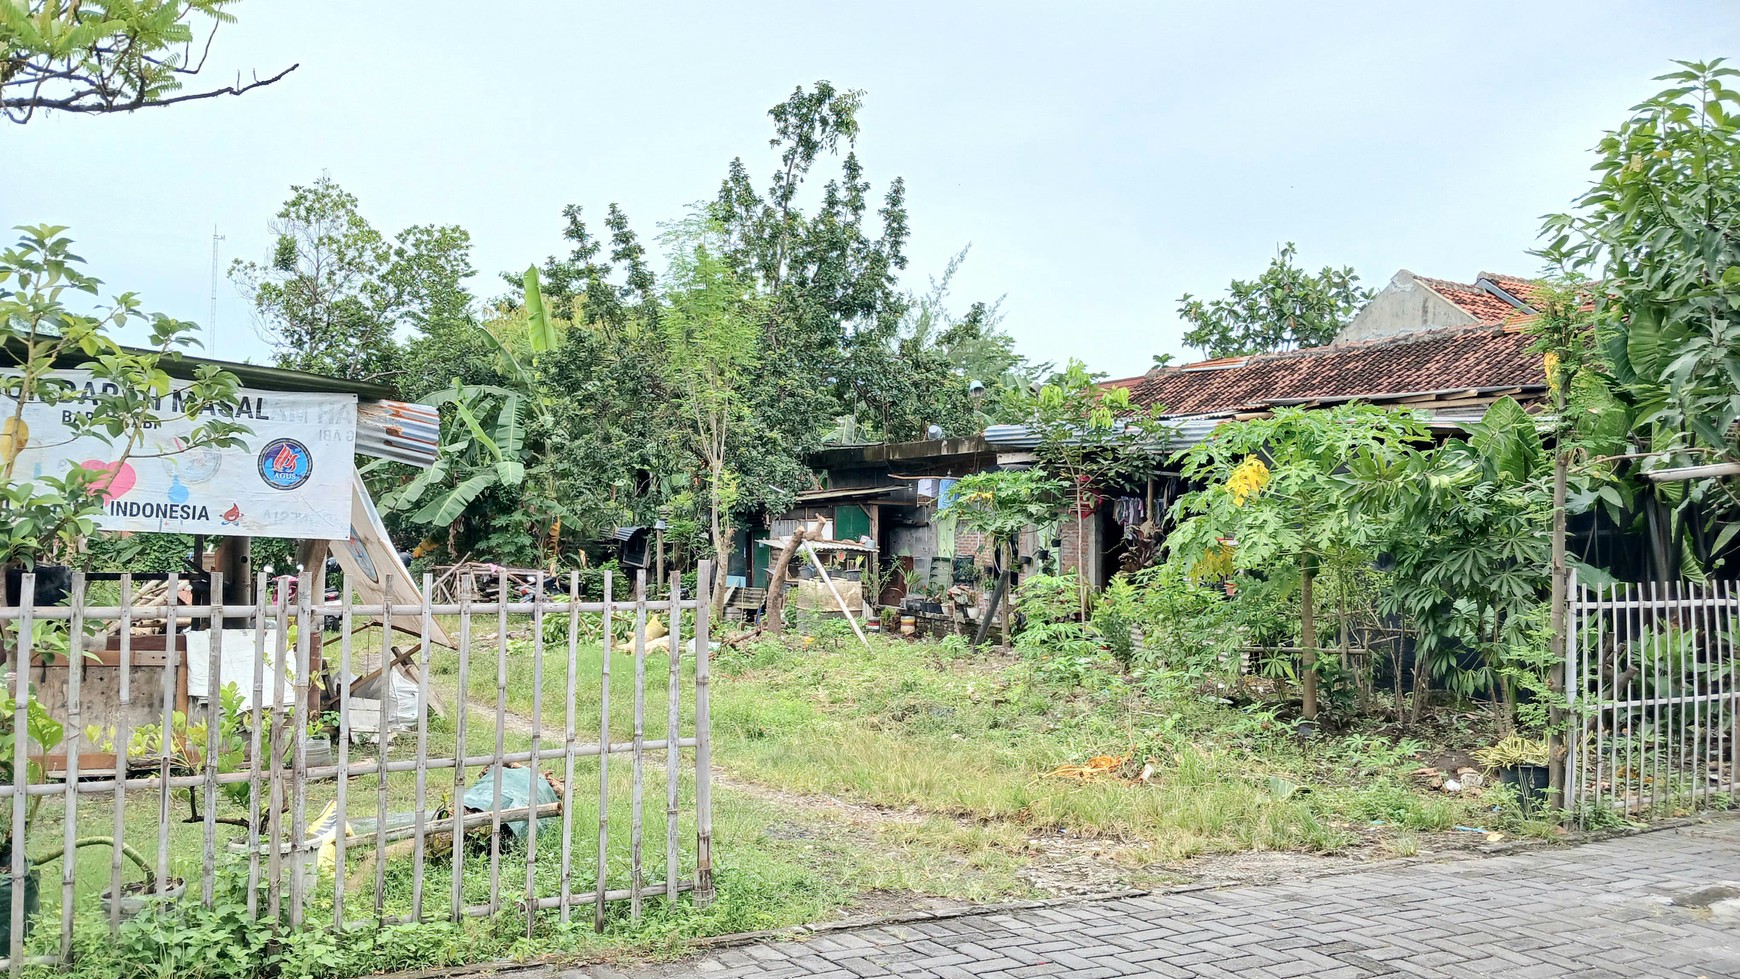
{"type": "Point", "coordinates": [291, 477]}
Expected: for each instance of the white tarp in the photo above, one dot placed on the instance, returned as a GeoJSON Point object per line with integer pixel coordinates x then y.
{"type": "Point", "coordinates": [290, 478]}
{"type": "Point", "coordinates": [236, 665]}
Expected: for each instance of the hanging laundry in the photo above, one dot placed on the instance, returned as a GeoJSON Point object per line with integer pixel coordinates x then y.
{"type": "Point", "coordinates": [1130, 512]}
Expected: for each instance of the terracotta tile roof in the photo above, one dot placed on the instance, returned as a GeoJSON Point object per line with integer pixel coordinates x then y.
{"type": "Point", "coordinates": [1471, 299]}
{"type": "Point", "coordinates": [1527, 290]}
{"type": "Point", "coordinates": [1485, 355]}
{"type": "Point", "coordinates": [1123, 382]}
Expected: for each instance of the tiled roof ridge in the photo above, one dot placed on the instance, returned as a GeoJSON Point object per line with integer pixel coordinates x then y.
{"type": "Point", "coordinates": [1331, 349]}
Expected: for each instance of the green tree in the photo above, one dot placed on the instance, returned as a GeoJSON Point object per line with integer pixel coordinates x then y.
{"type": "Point", "coordinates": [1093, 438]}
{"type": "Point", "coordinates": [711, 330]}
{"type": "Point", "coordinates": [830, 325]}
{"type": "Point", "coordinates": [94, 56]}
{"type": "Point", "coordinates": [49, 513]}
{"type": "Point", "coordinates": [1284, 308]}
{"type": "Point", "coordinates": [1275, 502]}
{"type": "Point", "coordinates": [335, 290]}
{"type": "Point", "coordinates": [1659, 232]}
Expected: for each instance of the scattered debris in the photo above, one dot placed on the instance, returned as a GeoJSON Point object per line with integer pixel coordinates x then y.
{"type": "Point", "coordinates": [1096, 767]}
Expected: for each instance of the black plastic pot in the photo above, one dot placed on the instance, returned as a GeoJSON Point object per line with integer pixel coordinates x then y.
{"type": "Point", "coordinates": [31, 879]}
{"type": "Point", "coordinates": [932, 608]}
{"type": "Point", "coordinates": [1530, 781]}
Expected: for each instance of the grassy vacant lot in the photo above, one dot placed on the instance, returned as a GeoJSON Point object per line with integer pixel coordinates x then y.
{"type": "Point", "coordinates": [865, 780]}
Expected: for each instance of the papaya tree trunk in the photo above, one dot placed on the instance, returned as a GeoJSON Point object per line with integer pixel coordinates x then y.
{"type": "Point", "coordinates": [1307, 638]}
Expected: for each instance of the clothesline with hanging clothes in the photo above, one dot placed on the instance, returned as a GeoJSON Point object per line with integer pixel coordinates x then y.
{"type": "Point", "coordinates": [1129, 511]}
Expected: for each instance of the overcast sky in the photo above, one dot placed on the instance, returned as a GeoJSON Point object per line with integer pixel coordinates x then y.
{"type": "Point", "coordinates": [1100, 158]}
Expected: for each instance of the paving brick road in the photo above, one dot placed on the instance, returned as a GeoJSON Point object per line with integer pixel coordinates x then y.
{"type": "Point", "coordinates": [1646, 905]}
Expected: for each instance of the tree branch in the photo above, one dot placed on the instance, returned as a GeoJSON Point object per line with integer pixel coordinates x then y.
{"type": "Point", "coordinates": [75, 103]}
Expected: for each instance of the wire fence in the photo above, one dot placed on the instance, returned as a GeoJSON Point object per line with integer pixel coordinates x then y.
{"type": "Point", "coordinates": [335, 785]}
{"type": "Point", "coordinates": [1653, 705]}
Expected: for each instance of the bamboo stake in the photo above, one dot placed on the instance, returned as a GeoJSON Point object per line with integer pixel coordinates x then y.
{"type": "Point", "coordinates": [603, 762]}
{"type": "Point", "coordinates": [419, 846]}
{"type": "Point", "coordinates": [568, 746]}
{"type": "Point", "coordinates": [255, 728]}
{"type": "Point", "coordinates": [457, 910]}
{"type": "Point", "coordinates": [501, 630]}
{"type": "Point", "coordinates": [20, 765]}
{"type": "Point", "coordinates": [673, 732]}
{"type": "Point", "coordinates": [167, 740]}
{"type": "Point", "coordinates": [383, 735]}
{"type": "Point", "coordinates": [275, 762]}
{"type": "Point", "coordinates": [213, 721]}
{"type": "Point", "coordinates": [703, 739]}
{"type": "Point", "coordinates": [342, 788]}
{"type": "Point", "coordinates": [75, 668]}
{"type": "Point", "coordinates": [306, 629]}
{"type": "Point", "coordinates": [536, 739]}
{"type": "Point", "coordinates": [122, 737]}
{"type": "Point", "coordinates": [638, 761]}
{"type": "Point", "coordinates": [851, 616]}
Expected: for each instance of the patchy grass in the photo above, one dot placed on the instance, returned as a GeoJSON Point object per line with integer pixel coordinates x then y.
{"type": "Point", "coordinates": [851, 780]}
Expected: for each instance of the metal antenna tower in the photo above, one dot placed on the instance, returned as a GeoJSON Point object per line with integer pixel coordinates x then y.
{"type": "Point", "coordinates": [211, 314]}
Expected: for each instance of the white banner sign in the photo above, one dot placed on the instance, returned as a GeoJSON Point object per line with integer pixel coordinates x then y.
{"type": "Point", "coordinates": [290, 478]}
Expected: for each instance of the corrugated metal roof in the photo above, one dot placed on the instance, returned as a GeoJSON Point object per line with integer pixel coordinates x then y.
{"type": "Point", "coordinates": [398, 430]}
{"type": "Point", "coordinates": [1185, 431]}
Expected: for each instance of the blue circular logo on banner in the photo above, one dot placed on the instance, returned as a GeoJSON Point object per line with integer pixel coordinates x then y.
{"type": "Point", "coordinates": [285, 464]}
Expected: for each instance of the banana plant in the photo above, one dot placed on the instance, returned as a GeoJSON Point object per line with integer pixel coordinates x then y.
{"type": "Point", "coordinates": [484, 442]}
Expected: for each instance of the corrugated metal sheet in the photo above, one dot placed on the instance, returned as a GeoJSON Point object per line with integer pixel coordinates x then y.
{"type": "Point", "coordinates": [398, 430]}
{"type": "Point", "coordinates": [1186, 432]}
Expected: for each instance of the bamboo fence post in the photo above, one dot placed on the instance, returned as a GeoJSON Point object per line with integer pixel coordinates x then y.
{"type": "Point", "coordinates": [165, 747]}
{"type": "Point", "coordinates": [501, 630]}
{"type": "Point", "coordinates": [122, 738]}
{"type": "Point", "coordinates": [256, 726]}
{"type": "Point", "coordinates": [461, 712]}
{"type": "Point", "coordinates": [673, 735]}
{"type": "Point", "coordinates": [571, 732]}
{"type": "Point", "coordinates": [213, 723]}
{"type": "Point", "coordinates": [637, 763]}
{"type": "Point", "coordinates": [20, 765]}
{"type": "Point", "coordinates": [75, 667]}
{"type": "Point", "coordinates": [306, 629]}
{"type": "Point", "coordinates": [536, 746]}
{"type": "Point", "coordinates": [603, 763]}
{"type": "Point", "coordinates": [383, 739]}
{"type": "Point", "coordinates": [419, 844]}
{"type": "Point", "coordinates": [275, 763]}
{"type": "Point", "coordinates": [341, 791]}
{"type": "Point", "coordinates": [703, 738]}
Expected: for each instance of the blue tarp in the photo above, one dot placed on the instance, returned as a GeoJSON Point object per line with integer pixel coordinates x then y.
{"type": "Point", "coordinates": [517, 785]}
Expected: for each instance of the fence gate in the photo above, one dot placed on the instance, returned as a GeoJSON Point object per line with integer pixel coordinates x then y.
{"type": "Point", "coordinates": [1653, 698]}
{"type": "Point", "coordinates": [202, 748]}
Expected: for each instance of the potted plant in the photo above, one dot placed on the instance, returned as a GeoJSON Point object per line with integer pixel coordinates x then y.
{"type": "Point", "coordinates": [1521, 763]}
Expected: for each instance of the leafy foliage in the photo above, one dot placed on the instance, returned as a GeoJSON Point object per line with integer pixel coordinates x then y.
{"type": "Point", "coordinates": [335, 290]}
{"type": "Point", "coordinates": [1284, 308]}
{"type": "Point", "coordinates": [106, 55]}
{"type": "Point", "coordinates": [1659, 232]}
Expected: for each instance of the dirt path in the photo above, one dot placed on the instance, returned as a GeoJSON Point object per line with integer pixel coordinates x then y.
{"type": "Point", "coordinates": [1056, 863]}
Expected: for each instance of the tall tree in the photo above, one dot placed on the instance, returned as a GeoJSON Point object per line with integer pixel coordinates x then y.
{"type": "Point", "coordinates": [94, 56]}
{"type": "Point", "coordinates": [711, 334]}
{"type": "Point", "coordinates": [335, 289]}
{"type": "Point", "coordinates": [1284, 308]}
{"type": "Point", "coordinates": [1659, 231]}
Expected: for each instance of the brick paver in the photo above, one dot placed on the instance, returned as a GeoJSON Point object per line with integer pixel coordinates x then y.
{"type": "Point", "coordinates": [1604, 910]}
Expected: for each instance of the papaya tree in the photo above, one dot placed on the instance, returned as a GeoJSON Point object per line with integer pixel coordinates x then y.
{"type": "Point", "coordinates": [1274, 503]}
